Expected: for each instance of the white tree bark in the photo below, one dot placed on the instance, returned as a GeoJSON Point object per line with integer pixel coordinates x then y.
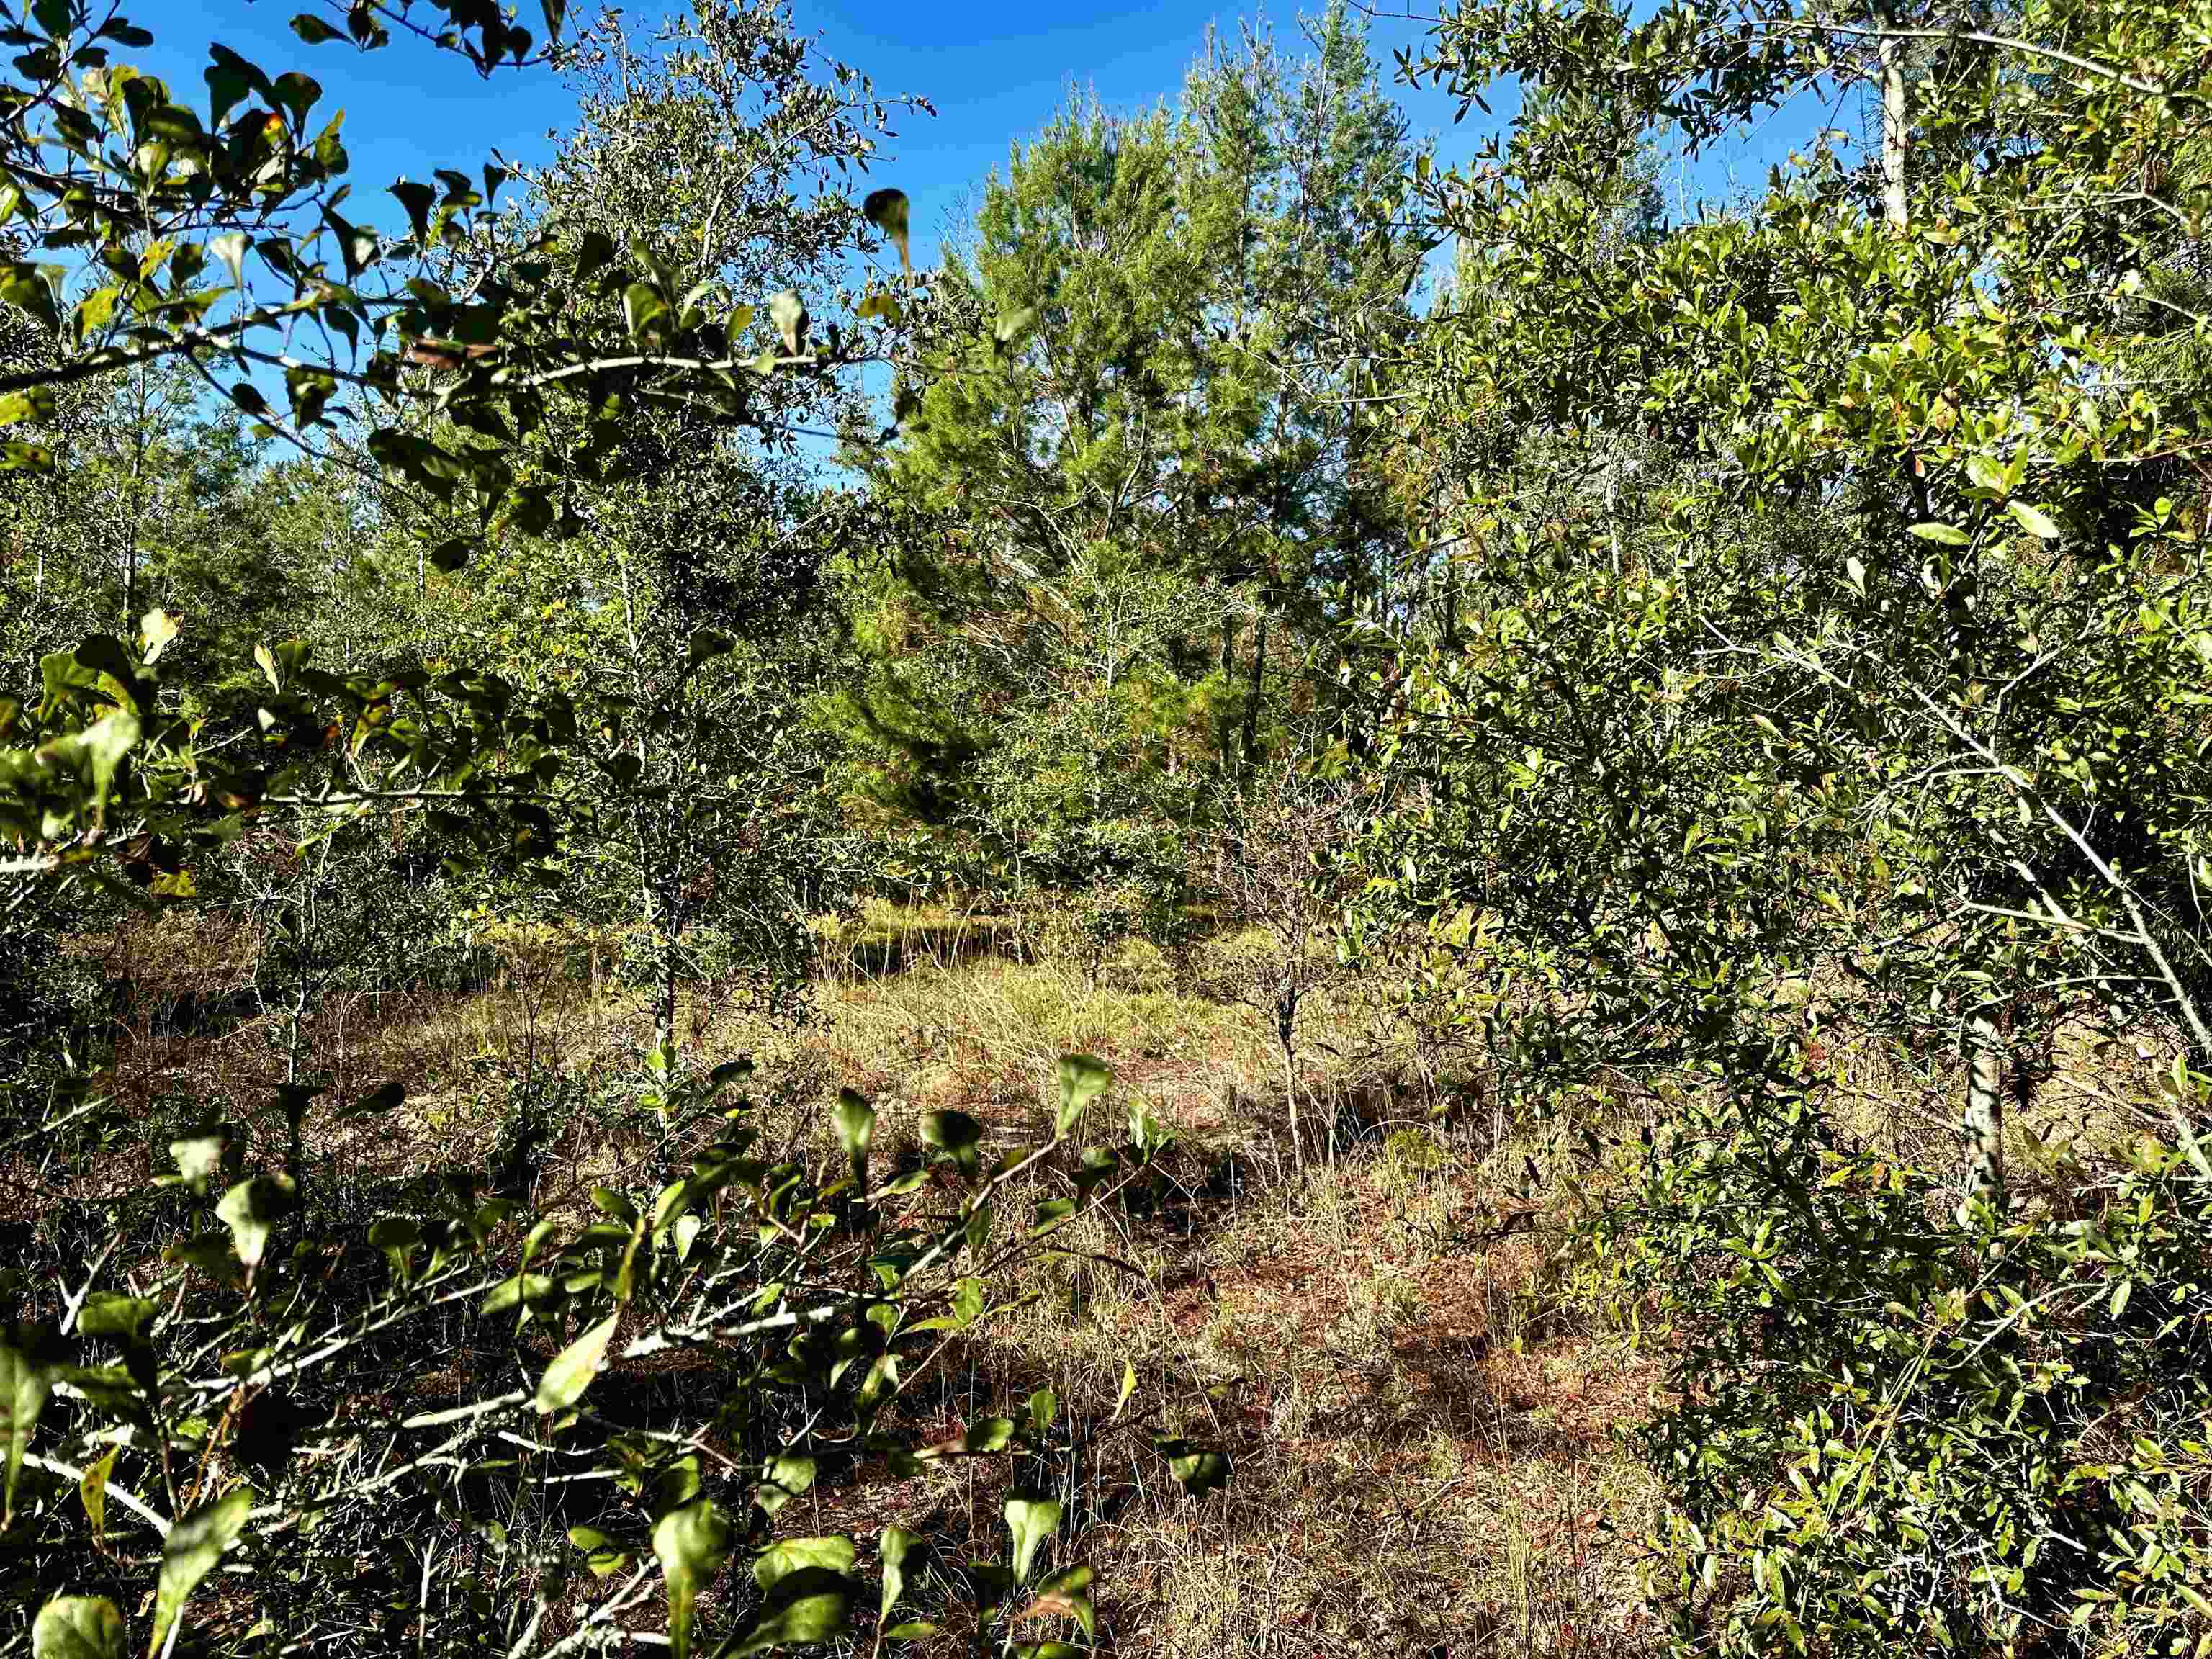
{"type": "Point", "coordinates": [1985, 1125]}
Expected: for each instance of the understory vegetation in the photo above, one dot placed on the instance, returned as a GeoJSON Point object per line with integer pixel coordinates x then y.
{"type": "Point", "coordinates": [1347, 895]}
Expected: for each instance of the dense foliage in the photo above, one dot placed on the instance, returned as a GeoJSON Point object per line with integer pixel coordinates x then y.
{"type": "Point", "coordinates": [1728, 677]}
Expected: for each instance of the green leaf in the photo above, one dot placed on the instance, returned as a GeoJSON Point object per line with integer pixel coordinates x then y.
{"type": "Point", "coordinates": [896, 1545]}
{"type": "Point", "coordinates": [156, 628]}
{"type": "Point", "coordinates": [1197, 1469]}
{"type": "Point", "coordinates": [786, 1476]}
{"type": "Point", "coordinates": [417, 198]}
{"type": "Point", "coordinates": [1082, 1078]}
{"type": "Point", "coordinates": [97, 751]}
{"type": "Point", "coordinates": [198, 1158]}
{"type": "Point", "coordinates": [959, 1136]}
{"type": "Point", "coordinates": [92, 1492]}
{"type": "Point", "coordinates": [788, 313]}
{"type": "Point", "coordinates": [788, 1556]}
{"type": "Point", "coordinates": [77, 1627]}
{"type": "Point", "coordinates": [807, 1582]}
{"type": "Point", "coordinates": [1943, 535]}
{"type": "Point", "coordinates": [195, 1544]}
{"type": "Point", "coordinates": [230, 248]}
{"type": "Point", "coordinates": [1061, 1596]}
{"type": "Point", "coordinates": [314, 30]}
{"type": "Point", "coordinates": [856, 1128]}
{"type": "Point", "coordinates": [574, 1366]}
{"type": "Point", "coordinates": [555, 10]}
{"type": "Point", "coordinates": [1031, 1521]}
{"type": "Point", "coordinates": [645, 308]}
{"type": "Point", "coordinates": [252, 1210]}
{"type": "Point", "coordinates": [119, 1317]}
{"type": "Point", "coordinates": [2035, 521]}
{"type": "Point", "coordinates": [819, 1618]}
{"type": "Point", "coordinates": [692, 1544]}
{"type": "Point", "coordinates": [26, 1381]}
{"type": "Point", "coordinates": [887, 211]}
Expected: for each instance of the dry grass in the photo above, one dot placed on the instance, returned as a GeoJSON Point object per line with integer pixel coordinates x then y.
{"type": "Point", "coordinates": [1417, 1470]}
{"type": "Point", "coordinates": [1421, 1430]}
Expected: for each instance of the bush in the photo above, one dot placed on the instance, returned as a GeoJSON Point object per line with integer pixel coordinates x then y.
{"type": "Point", "coordinates": [1891, 1436]}
{"type": "Point", "coordinates": [313, 1391]}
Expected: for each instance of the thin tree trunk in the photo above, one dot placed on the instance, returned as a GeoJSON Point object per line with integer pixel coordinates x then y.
{"type": "Point", "coordinates": [663, 1005]}
{"type": "Point", "coordinates": [1891, 59]}
{"type": "Point", "coordinates": [1257, 688]}
{"type": "Point", "coordinates": [1985, 1170]}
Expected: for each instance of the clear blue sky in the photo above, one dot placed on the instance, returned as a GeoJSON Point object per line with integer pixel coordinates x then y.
{"type": "Point", "coordinates": [995, 71]}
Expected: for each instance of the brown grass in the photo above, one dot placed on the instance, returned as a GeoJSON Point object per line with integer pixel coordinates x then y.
{"type": "Point", "coordinates": [1420, 1421]}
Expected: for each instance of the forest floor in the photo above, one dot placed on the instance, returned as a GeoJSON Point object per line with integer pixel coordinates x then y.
{"type": "Point", "coordinates": [1422, 1413]}
{"type": "Point", "coordinates": [1421, 1423]}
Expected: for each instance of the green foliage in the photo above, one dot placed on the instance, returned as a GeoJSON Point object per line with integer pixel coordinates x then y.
{"type": "Point", "coordinates": [1810, 677]}
{"type": "Point", "coordinates": [803, 1304]}
{"type": "Point", "coordinates": [485, 363]}
{"type": "Point", "coordinates": [1126, 457]}
{"type": "Point", "coordinates": [1886, 1434]}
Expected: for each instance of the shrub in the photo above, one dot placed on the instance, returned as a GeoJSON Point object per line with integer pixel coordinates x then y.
{"type": "Point", "coordinates": [1891, 1435]}
{"type": "Point", "coordinates": [627, 1385]}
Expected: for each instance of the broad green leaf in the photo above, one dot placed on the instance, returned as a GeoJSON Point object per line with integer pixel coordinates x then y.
{"type": "Point", "coordinates": [1061, 1596]}
{"type": "Point", "coordinates": [788, 313]}
{"type": "Point", "coordinates": [92, 1492]}
{"type": "Point", "coordinates": [198, 1158]}
{"type": "Point", "coordinates": [112, 1314]}
{"type": "Point", "coordinates": [887, 211]}
{"type": "Point", "coordinates": [786, 1476]}
{"type": "Point", "coordinates": [156, 628]}
{"type": "Point", "coordinates": [252, 1210]}
{"type": "Point", "coordinates": [692, 1544]}
{"type": "Point", "coordinates": [1943, 535]}
{"type": "Point", "coordinates": [2035, 521]}
{"type": "Point", "coordinates": [1082, 1078]}
{"type": "Point", "coordinates": [574, 1366]}
{"type": "Point", "coordinates": [97, 751]}
{"type": "Point", "coordinates": [896, 1545]}
{"type": "Point", "coordinates": [817, 1617]}
{"type": "Point", "coordinates": [807, 1582]}
{"type": "Point", "coordinates": [195, 1544]}
{"type": "Point", "coordinates": [26, 1381]}
{"type": "Point", "coordinates": [1198, 1469]}
{"type": "Point", "coordinates": [786, 1556]}
{"type": "Point", "coordinates": [959, 1136]}
{"type": "Point", "coordinates": [77, 1627]}
{"type": "Point", "coordinates": [644, 308]}
{"type": "Point", "coordinates": [1031, 1521]}
{"type": "Point", "coordinates": [856, 1128]}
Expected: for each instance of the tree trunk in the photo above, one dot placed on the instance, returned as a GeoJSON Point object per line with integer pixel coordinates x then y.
{"type": "Point", "coordinates": [1255, 691]}
{"type": "Point", "coordinates": [1891, 59]}
{"type": "Point", "coordinates": [663, 1004]}
{"type": "Point", "coordinates": [1985, 1171]}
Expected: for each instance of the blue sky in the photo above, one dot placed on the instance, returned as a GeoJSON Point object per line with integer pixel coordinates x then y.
{"type": "Point", "coordinates": [995, 71]}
